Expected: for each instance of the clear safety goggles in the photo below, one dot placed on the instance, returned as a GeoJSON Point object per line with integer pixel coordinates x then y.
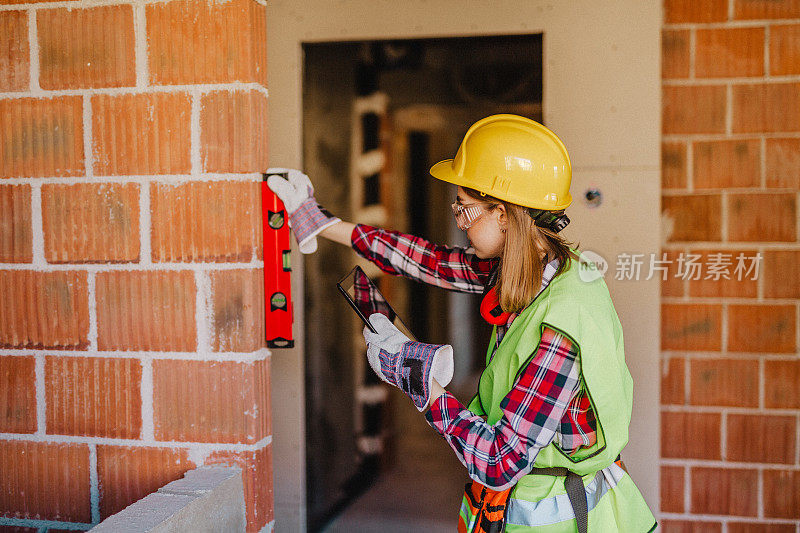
{"type": "Point", "coordinates": [467, 215]}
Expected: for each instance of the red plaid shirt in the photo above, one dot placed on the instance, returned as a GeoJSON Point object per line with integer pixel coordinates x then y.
{"type": "Point", "coordinates": [548, 401]}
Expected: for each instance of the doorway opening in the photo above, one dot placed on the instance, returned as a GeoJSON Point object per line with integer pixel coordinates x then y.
{"type": "Point", "coordinates": [376, 116]}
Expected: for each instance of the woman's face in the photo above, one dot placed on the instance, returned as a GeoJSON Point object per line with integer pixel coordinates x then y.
{"type": "Point", "coordinates": [485, 234]}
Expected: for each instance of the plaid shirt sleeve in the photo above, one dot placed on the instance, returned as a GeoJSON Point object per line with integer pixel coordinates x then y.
{"type": "Point", "coordinates": [498, 455]}
{"type": "Point", "coordinates": [415, 258]}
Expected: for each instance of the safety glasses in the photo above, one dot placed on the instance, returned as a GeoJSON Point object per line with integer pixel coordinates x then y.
{"type": "Point", "coordinates": [467, 215]}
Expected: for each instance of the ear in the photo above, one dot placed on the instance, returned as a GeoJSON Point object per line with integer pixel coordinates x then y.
{"type": "Point", "coordinates": [502, 216]}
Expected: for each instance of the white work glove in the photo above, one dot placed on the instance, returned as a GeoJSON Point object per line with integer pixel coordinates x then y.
{"type": "Point", "coordinates": [306, 217]}
{"type": "Point", "coordinates": [409, 365]}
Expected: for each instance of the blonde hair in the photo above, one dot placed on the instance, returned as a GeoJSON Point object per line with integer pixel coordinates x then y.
{"type": "Point", "coordinates": [521, 267]}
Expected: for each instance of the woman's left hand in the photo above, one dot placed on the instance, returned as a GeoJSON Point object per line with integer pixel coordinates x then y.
{"type": "Point", "coordinates": [409, 365]}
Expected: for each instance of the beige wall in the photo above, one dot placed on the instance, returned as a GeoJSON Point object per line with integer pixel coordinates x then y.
{"type": "Point", "coordinates": [601, 95]}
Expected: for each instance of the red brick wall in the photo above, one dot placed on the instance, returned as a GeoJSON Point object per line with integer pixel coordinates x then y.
{"type": "Point", "coordinates": [730, 389]}
{"type": "Point", "coordinates": [131, 291]}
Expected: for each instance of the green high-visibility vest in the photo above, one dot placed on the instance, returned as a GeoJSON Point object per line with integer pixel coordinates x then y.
{"type": "Point", "coordinates": [582, 311]}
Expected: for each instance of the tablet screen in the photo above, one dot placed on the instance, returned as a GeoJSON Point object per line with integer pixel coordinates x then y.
{"type": "Point", "coordinates": [365, 299]}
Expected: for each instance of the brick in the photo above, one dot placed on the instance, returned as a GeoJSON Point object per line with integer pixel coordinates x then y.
{"type": "Point", "coordinates": [214, 221]}
{"type": "Point", "coordinates": [724, 382]}
{"type": "Point", "coordinates": [29, 471]}
{"type": "Point", "coordinates": [20, 529]}
{"type": "Point", "coordinates": [687, 526]}
{"type": "Point", "coordinates": [761, 438]}
{"type": "Point", "coordinates": [762, 217]}
{"type": "Point", "coordinates": [227, 41]}
{"type": "Point", "coordinates": [759, 527]}
{"type": "Point", "coordinates": [692, 217]}
{"type": "Point", "coordinates": [129, 473]}
{"type": "Point", "coordinates": [18, 397]}
{"type": "Point", "coordinates": [14, 51]}
{"type": "Point", "coordinates": [781, 270]}
{"type": "Point", "coordinates": [766, 9]}
{"type": "Point", "coordinates": [784, 50]}
{"type": "Point", "coordinates": [81, 48]}
{"type": "Point", "coordinates": [766, 107]}
{"type": "Point", "coordinates": [691, 327]}
{"type": "Point", "coordinates": [672, 284]}
{"type": "Point", "coordinates": [739, 266]}
{"type": "Point", "coordinates": [257, 476]}
{"type": "Point", "coordinates": [783, 377]}
{"type": "Point", "coordinates": [683, 11]}
{"type": "Point", "coordinates": [16, 238]}
{"type": "Point", "coordinates": [725, 164]}
{"type": "Point", "coordinates": [43, 310]}
{"type": "Point", "coordinates": [93, 396]}
{"type": "Point", "coordinates": [211, 401]}
{"type": "Point", "coordinates": [233, 131]}
{"type": "Point", "coordinates": [238, 310]}
{"type": "Point", "coordinates": [673, 165]}
{"type": "Point", "coordinates": [693, 109]}
{"type": "Point", "coordinates": [679, 433]}
{"type": "Point", "coordinates": [726, 491]}
{"type": "Point", "coordinates": [41, 137]}
{"type": "Point", "coordinates": [762, 328]}
{"type": "Point", "coordinates": [91, 223]}
{"type": "Point", "coordinates": [152, 311]}
{"type": "Point", "coordinates": [783, 488]}
{"type": "Point", "coordinates": [673, 372]}
{"type": "Point", "coordinates": [141, 134]}
{"type": "Point", "coordinates": [672, 482]}
{"type": "Point", "coordinates": [783, 163]}
{"type": "Point", "coordinates": [729, 52]}
{"type": "Point", "coordinates": [674, 54]}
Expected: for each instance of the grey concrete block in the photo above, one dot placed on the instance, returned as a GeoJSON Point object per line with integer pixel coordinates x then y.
{"type": "Point", "coordinates": [144, 515]}
{"type": "Point", "coordinates": [200, 480]}
{"type": "Point", "coordinates": [206, 500]}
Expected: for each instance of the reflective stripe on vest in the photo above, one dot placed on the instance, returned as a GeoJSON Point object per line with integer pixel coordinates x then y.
{"type": "Point", "coordinates": [558, 508]}
{"type": "Point", "coordinates": [466, 518]}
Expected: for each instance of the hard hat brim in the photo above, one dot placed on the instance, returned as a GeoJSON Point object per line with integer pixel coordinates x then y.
{"type": "Point", "coordinates": [443, 170]}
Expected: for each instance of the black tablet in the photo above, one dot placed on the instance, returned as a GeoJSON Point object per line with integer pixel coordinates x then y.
{"type": "Point", "coordinates": [365, 299]}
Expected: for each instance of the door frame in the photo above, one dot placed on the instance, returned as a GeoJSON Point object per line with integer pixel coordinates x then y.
{"type": "Point", "coordinates": [602, 95]}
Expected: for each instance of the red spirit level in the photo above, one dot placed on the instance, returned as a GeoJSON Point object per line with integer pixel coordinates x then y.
{"type": "Point", "coordinates": [277, 266]}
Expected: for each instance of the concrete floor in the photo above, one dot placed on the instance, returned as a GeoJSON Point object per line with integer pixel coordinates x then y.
{"type": "Point", "coordinates": [422, 492]}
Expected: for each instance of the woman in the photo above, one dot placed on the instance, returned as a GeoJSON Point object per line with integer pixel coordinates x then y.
{"type": "Point", "coordinates": [541, 438]}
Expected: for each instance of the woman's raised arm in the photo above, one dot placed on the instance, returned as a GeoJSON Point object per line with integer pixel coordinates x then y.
{"type": "Point", "coordinates": [339, 232]}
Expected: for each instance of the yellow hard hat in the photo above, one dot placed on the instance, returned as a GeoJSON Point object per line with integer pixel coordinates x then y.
{"type": "Point", "coordinates": [512, 158]}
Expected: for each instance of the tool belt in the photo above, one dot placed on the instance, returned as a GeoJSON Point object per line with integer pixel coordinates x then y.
{"type": "Point", "coordinates": [576, 493]}
{"type": "Point", "coordinates": [487, 509]}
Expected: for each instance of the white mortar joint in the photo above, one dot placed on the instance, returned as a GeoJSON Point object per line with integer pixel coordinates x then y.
{"type": "Point", "coordinates": [146, 393]}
